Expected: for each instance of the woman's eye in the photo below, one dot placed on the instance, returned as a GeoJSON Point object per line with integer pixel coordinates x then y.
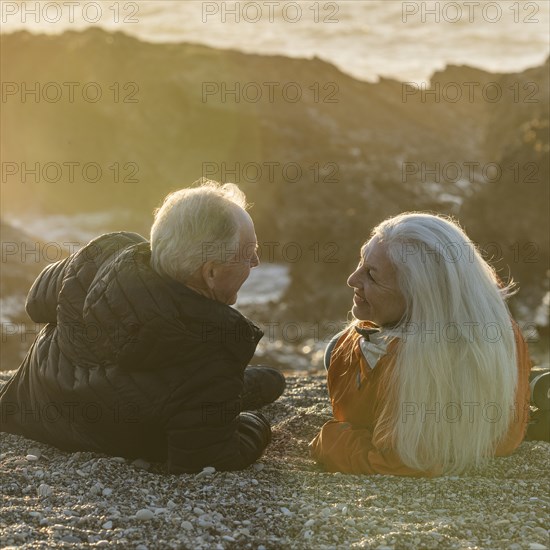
{"type": "Point", "coordinates": [369, 276]}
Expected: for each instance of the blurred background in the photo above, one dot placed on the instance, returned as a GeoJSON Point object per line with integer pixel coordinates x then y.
{"type": "Point", "coordinates": [331, 116]}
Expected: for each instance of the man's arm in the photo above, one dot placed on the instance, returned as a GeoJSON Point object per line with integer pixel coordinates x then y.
{"type": "Point", "coordinates": [226, 447]}
{"type": "Point", "coordinates": [42, 298]}
{"type": "Point", "coordinates": [207, 427]}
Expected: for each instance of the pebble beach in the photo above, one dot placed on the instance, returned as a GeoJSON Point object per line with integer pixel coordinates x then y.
{"type": "Point", "coordinates": [54, 499]}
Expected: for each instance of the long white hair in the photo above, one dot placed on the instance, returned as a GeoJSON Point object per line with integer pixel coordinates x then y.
{"type": "Point", "coordinates": [455, 378]}
{"type": "Point", "coordinates": [195, 225]}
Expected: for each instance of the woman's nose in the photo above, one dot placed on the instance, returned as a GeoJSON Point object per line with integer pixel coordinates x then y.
{"type": "Point", "coordinates": [352, 280]}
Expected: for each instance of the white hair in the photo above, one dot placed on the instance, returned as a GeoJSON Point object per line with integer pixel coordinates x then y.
{"type": "Point", "coordinates": [195, 225]}
{"type": "Point", "coordinates": [453, 388]}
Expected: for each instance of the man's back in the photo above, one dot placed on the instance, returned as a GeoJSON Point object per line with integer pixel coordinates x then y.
{"type": "Point", "coordinates": [133, 363]}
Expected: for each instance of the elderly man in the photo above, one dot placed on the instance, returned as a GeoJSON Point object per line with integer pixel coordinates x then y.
{"type": "Point", "coordinates": [142, 355]}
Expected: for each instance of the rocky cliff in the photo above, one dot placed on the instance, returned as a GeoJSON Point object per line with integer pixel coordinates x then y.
{"type": "Point", "coordinates": [94, 121]}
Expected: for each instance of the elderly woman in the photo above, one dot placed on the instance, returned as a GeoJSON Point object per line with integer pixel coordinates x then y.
{"type": "Point", "coordinates": [142, 355]}
{"type": "Point", "coordinates": [433, 375]}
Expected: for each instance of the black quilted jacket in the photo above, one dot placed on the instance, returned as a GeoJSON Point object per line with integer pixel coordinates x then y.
{"type": "Point", "coordinates": [134, 364]}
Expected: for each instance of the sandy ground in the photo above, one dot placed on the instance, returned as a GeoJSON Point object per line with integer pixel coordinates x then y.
{"type": "Point", "coordinates": [87, 500]}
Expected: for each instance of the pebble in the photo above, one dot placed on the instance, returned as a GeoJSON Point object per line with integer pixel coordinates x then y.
{"type": "Point", "coordinates": [31, 458]}
{"type": "Point", "coordinates": [44, 490]}
{"type": "Point", "coordinates": [144, 514]}
{"type": "Point", "coordinates": [207, 471]}
{"type": "Point", "coordinates": [70, 539]}
{"type": "Point", "coordinates": [254, 513]}
{"type": "Point", "coordinates": [107, 492]}
{"type": "Point", "coordinates": [95, 489]}
{"type": "Point", "coordinates": [34, 452]}
{"type": "Point", "coordinates": [141, 464]}
{"type": "Point", "coordinates": [205, 523]}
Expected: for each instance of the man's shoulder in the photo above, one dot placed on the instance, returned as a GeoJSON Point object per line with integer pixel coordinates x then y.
{"type": "Point", "coordinates": [104, 248]}
{"type": "Point", "coordinates": [113, 241]}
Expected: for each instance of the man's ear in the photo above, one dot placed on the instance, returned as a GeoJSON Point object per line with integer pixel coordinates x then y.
{"type": "Point", "coordinates": [208, 272]}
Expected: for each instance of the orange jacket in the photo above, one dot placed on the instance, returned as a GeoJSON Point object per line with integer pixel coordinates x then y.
{"type": "Point", "coordinates": [357, 392]}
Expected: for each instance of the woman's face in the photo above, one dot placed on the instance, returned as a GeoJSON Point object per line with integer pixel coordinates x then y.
{"type": "Point", "coordinates": [377, 297]}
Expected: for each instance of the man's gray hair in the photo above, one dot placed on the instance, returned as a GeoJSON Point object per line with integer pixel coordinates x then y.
{"type": "Point", "coordinates": [195, 225]}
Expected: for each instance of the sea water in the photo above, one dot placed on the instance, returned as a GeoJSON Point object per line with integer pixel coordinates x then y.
{"type": "Point", "coordinates": [367, 39]}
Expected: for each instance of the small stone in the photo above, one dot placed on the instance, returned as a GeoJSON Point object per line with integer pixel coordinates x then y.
{"type": "Point", "coordinates": [44, 490]}
{"type": "Point", "coordinates": [187, 525]}
{"type": "Point", "coordinates": [107, 525]}
{"type": "Point", "coordinates": [141, 464]}
{"type": "Point", "coordinates": [309, 523]}
{"type": "Point", "coordinates": [31, 458]}
{"type": "Point", "coordinates": [35, 452]}
{"type": "Point", "coordinates": [198, 511]}
{"type": "Point", "coordinates": [258, 467]}
{"type": "Point", "coordinates": [144, 514]}
{"type": "Point", "coordinates": [501, 522]}
{"type": "Point", "coordinates": [107, 492]}
{"type": "Point", "coordinates": [95, 489]}
{"type": "Point", "coordinates": [102, 543]}
{"type": "Point", "coordinates": [205, 523]}
{"type": "Point", "coordinates": [207, 471]}
{"type": "Point", "coordinates": [536, 546]}
{"type": "Point", "coordinates": [286, 511]}
{"type": "Point", "coordinates": [118, 459]}
{"type": "Point", "coordinates": [141, 547]}
{"type": "Point", "coordinates": [228, 538]}
{"type": "Point", "coordinates": [70, 538]}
